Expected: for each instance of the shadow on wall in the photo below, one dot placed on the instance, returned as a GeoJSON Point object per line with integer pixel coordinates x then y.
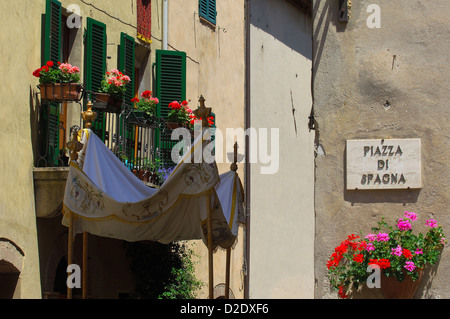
{"type": "Point", "coordinates": [269, 17]}
{"type": "Point", "coordinates": [329, 15]}
{"type": "Point", "coordinates": [34, 123]}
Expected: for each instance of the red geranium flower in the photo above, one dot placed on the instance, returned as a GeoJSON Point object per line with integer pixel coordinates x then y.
{"type": "Point", "coordinates": [175, 105]}
{"type": "Point", "coordinates": [359, 258]}
{"type": "Point", "coordinates": [407, 253]}
{"type": "Point", "coordinates": [147, 94]}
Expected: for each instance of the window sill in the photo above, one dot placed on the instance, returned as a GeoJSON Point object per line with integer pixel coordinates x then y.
{"type": "Point", "coordinates": [207, 23]}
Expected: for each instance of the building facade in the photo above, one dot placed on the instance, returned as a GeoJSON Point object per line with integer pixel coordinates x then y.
{"type": "Point", "coordinates": [379, 74]}
{"type": "Point", "coordinates": [296, 83]}
{"type": "Point", "coordinates": [280, 190]}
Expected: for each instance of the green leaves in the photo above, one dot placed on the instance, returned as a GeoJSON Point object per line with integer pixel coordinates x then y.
{"type": "Point", "coordinates": [396, 250]}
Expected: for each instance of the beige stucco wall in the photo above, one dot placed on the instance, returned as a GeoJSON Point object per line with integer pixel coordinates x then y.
{"type": "Point", "coordinates": [20, 56]}
{"type": "Point", "coordinates": [388, 82]}
{"type": "Point", "coordinates": [18, 61]}
{"type": "Point", "coordinates": [215, 69]}
{"type": "Point", "coordinates": [282, 203]}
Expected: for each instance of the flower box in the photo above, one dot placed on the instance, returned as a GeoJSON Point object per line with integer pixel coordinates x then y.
{"type": "Point", "coordinates": [397, 253]}
{"type": "Point", "coordinates": [59, 83]}
{"type": "Point", "coordinates": [392, 288]}
{"type": "Point", "coordinates": [107, 103]}
{"type": "Point", "coordinates": [138, 117]}
{"type": "Point", "coordinates": [173, 125]}
{"type": "Point", "coordinates": [109, 97]}
{"type": "Point", "coordinates": [60, 92]}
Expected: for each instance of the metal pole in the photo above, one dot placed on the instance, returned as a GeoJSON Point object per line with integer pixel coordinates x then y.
{"type": "Point", "coordinates": [210, 249]}
{"type": "Point", "coordinates": [165, 23]}
{"type": "Point", "coordinates": [227, 275]}
{"type": "Point", "coordinates": [85, 265]}
{"type": "Point", "coordinates": [70, 251]}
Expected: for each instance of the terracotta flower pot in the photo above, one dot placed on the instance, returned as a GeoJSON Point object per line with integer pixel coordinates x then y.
{"type": "Point", "coordinates": [60, 92]}
{"type": "Point", "coordinates": [394, 289]}
{"type": "Point", "coordinates": [107, 103]}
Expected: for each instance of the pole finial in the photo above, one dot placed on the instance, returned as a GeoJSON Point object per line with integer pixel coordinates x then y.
{"type": "Point", "coordinates": [88, 116]}
{"type": "Point", "coordinates": [74, 145]}
{"type": "Point", "coordinates": [234, 166]}
{"type": "Point", "coordinates": [203, 112]}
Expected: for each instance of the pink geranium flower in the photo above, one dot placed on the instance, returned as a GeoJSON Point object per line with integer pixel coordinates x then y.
{"type": "Point", "coordinates": [383, 237]}
{"type": "Point", "coordinates": [397, 251]}
{"type": "Point", "coordinates": [409, 265]}
{"type": "Point", "coordinates": [371, 237]}
{"type": "Point", "coordinates": [431, 222]}
{"type": "Point", "coordinates": [403, 224]}
{"type": "Point", "coordinates": [411, 216]}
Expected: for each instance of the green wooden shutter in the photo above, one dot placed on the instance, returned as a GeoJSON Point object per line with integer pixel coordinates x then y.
{"type": "Point", "coordinates": [170, 79]}
{"type": "Point", "coordinates": [170, 86]}
{"type": "Point", "coordinates": [126, 63]}
{"type": "Point", "coordinates": [207, 10]}
{"type": "Point", "coordinates": [95, 66]}
{"type": "Point", "coordinates": [52, 33]}
{"type": "Point", "coordinates": [126, 66]}
{"type": "Point", "coordinates": [51, 52]}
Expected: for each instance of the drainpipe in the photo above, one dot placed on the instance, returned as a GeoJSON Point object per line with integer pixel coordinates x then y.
{"type": "Point", "coordinates": [165, 18]}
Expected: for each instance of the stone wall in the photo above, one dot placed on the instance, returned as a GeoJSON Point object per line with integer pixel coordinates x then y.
{"type": "Point", "coordinates": [378, 82]}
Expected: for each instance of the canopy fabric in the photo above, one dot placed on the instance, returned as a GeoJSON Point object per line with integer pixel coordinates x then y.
{"type": "Point", "coordinates": [106, 199]}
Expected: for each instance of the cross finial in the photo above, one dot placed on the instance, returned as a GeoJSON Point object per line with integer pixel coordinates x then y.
{"type": "Point", "coordinates": [203, 112]}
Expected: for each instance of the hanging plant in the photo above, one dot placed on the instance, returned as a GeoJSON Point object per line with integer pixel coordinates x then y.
{"type": "Point", "coordinates": [59, 83]}
{"type": "Point", "coordinates": [111, 92]}
{"type": "Point", "coordinates": [398, 253]}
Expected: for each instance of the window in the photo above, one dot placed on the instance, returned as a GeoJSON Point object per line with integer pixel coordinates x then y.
{"type": "Point", "coordinates": [95, 67]}
{"type": "Point", "coordinates": [170, 86]}
{"type": "Point", "coordinates": [58, 42]}
{"type": "Point", "coordinates": [126, 65]}
{"type": "Point", "coordinates": [207, 10]}
{"type": "Point", "coordinates": [50, 112]}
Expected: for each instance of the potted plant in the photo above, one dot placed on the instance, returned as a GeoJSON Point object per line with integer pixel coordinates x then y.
{"type": "Point", "coordinates": [180, 115]}
{"type": "Point", "coordinates": [398, 253]}
{"type": "Point", "coordinates": [110, 94]}
{"type": "Point", "coordinates": [146, 106]}
{"type": "Point", "coordinates": [59, 83]}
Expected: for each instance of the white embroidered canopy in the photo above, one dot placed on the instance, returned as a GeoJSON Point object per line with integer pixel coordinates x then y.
{"type": "Point", "coordinates": [103, 197]}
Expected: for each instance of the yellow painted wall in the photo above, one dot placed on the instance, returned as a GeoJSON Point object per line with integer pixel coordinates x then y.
{"type": "Point", "coordinates": [19, 57]}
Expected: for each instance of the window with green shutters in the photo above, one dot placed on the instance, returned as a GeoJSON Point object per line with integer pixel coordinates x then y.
{"type": "Point", "coordinates": [170, 86]}
{"type": "Point", "coordinates": [50, 126]}
{"type": "Point", "coordinates": [207, 10]}
{"type": "Point", "coordinates": [126, 64]}
{"type": "Point", "coordinates": [95, 66]}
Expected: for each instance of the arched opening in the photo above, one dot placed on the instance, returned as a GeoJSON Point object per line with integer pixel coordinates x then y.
{"type": "Point", "coordinates": [9, 276]}
{"type": "Point", "coordinates": [60, 281]}
{"type": "Point", "coordinates": [59, 285]}
{"type": "Point", "coordinates": [11, 262]}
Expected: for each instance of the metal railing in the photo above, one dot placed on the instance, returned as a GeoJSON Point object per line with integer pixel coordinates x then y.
{"type": "Point", "coordinates": [143, 144]}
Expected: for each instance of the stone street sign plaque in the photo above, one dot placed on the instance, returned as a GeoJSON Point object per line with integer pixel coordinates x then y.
{"type": "Point", "coordinates": [384, 164]}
